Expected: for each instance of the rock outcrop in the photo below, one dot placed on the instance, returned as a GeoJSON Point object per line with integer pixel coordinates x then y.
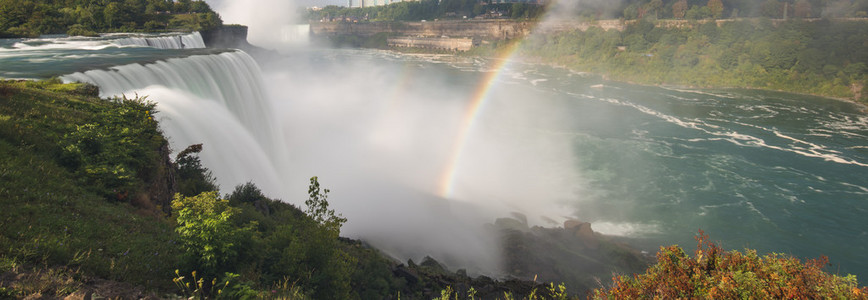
{"type": "Point", "coordinates": [574, 254]}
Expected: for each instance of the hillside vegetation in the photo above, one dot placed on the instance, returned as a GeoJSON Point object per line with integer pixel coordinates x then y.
{"type": "Point", "coordinates": [824, 57]}
{"type": "Point", "coordinates": [31, 18]}
{"type": "Point", "coordinates": [92, 205]}
{"type": "Point", "coordinates": [85, 186]}
{"type": "Point", "coordinates": [597, 10]}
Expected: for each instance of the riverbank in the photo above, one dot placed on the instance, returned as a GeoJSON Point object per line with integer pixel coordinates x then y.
{"type": "Point", "coordinates": [862, 105]}
{"type": "Point", "coordinates": [94, 205]}
{"type": "Point", "coordinates": [813, 57]}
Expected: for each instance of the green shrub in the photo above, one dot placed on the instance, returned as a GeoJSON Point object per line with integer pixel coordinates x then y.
{"type": "Point", "coordinates": [112, 151]}
{"type": "Point", "coordinates": [80, 30]}
{"type": "Point", "coordinates": [206, 230]}
{"type": "Point", "coordinates": [193, 178]}
{"type": "Point", "coordinates": [153, 25]}
{"type": "Point", "coordinates": [713, 273]}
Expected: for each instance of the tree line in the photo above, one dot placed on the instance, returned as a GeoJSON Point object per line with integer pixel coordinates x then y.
{"type": "Point", "coordinates": [30, 18]}
{"type": "Point", "coordinates": [428, 10]}
{"type": "Point", "coordinates": [823, 57]}
{"type": "Point", "coordinates": [718, 9]}
{"type": "Point", "coordinates": [594, 10]}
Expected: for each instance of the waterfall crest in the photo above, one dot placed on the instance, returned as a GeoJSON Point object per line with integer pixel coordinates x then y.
{"type": "Point", "coordinates": [186, 41]}
{"type": "Point", "coordinates": [232, 79]}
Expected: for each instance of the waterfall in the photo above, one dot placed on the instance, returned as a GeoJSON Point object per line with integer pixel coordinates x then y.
{"type": "Point", "coordinates": [295, 34]}
{"type": "Point", "coordinates": [215, 99]}
{"type": "Point", "coordinates": [186, 41]}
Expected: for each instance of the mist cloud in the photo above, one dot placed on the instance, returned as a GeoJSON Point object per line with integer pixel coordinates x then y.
{"type": "Point", "coordinates": [379, 131]}
{"type": "Point", "coordinates": [265, 18]}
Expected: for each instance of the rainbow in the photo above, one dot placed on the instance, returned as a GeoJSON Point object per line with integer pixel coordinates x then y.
{"type": "Point", "coordinates": [478, 100]}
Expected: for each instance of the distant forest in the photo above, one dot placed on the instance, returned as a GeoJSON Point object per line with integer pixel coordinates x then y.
{"type": "Point", "coordinates": [30, 18]}
{"type": "Point", "coordinates": [599, 9]}
{"type": "Point", "coordinates": [822, 57]}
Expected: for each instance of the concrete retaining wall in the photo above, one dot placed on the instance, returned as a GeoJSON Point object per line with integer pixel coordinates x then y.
{"type": "Point", "coordinates": [451, 44]}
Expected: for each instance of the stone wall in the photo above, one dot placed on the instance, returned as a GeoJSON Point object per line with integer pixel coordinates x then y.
{"type": "Point", "coordinates": [451, 44]}
{"type": "Point", "coordinates": [226, 36]}
{"type": "Point", "coordinates": [486, 30]}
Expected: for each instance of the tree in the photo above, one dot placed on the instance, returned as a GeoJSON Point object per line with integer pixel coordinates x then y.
{"type": "Point", "coordinates": [679, 9]}
{"type": "Point", "coordinates": [318, 208]}
{"type": "Point", "coordinates": [631, 12]}
{"type": "Point", "coordinates": [698, 13]}
{"type": "Point", "coordinates": [193, 178]}
{"type": "Point", "coordinates": [802, 9]}
{"type": "Point", "coordinates": [182, 6]}
{"type": "Point", "coordinates": [111, 14]}
{"type": "Point", "coordinates": [772, 9]}
{"type": "Point", "coordinates": [716, 7]}
{"type": "Point", "coordinates": [206, 230]}
{"type": "Point", "coordinates": [654, 7]}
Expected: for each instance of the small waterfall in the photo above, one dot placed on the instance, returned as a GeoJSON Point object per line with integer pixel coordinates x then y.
{"type": "Point", "coordinates": [224, 92]}
{"type": "Point", "coordinates": [295, 34]}
{"type": "Point", "coordinates": [185, 41]}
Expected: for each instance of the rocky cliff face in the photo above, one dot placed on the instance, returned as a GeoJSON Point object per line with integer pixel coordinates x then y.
{"type": "Point", "coordinates": [227, 36]}
{"type": "Point", "coordinates": [163, 186]}
{"type": "Point", "coordinates": [485, 30]}
{"type": "Point", "coordinates": [573, 254]}
{"type": "Point", "coordinates": [234, 37]}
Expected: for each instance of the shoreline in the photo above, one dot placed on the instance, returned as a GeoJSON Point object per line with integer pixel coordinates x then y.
{"type": "Point", "coordinates": [862, 107]}
{"type": "Point", "coordinates": [492, 53]}
{"type": "Point", "coordinates": [648, 61]}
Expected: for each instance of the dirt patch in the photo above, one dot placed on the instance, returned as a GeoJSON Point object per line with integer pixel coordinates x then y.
{"type": "Point", "coordinates": [67, 284]}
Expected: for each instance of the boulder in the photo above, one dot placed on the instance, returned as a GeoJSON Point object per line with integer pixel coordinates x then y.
{"type": "Point", "coordinates": [511, 224]}
{"type": "Point", "coordinates": [572, 224]}
{"type": "Point", "coordinates": [582, 231]}
{"type": "Point", "coordinates": [410, 276]}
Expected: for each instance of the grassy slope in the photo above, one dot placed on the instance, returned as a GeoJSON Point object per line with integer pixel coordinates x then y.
{"type": "Point", "coordinates": [73, 222]}
{"type": "Point", "coordinates": [50, 216]}
{"type": "Point", "coordinates": [77, 192]}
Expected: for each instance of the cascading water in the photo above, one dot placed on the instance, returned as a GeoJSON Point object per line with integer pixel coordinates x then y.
{"type": "Point", "coordinates": [214, 99]}
{"type": "Point", "coordinates": [295, 34]}
{"type": "Point", "coordinates": [218, 100]}
{"type": "Point", "coordinates": [186, 41]}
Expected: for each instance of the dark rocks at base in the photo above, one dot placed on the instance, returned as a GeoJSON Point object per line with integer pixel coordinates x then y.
{"type": "Point", "coordinates": [582, 231]}
{"type": "Point", "coordinates": [407, 274]}
{"type": "Point", "coordinates": [428, 279]}
{"type": "Point", "coordinates": [533, 258]}
{"type": "Point", "coordinates": [226, 36]}
{"type": "Point", "coordinates": [574, 255]}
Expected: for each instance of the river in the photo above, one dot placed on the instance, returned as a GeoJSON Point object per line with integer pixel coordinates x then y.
{"type": "Point", "coordinates": [423, 145]}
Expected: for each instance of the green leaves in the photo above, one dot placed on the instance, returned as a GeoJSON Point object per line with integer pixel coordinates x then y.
{"type": "Point", "coordinates": [716, 274]}
{"type": "Point", "coordinates": [206, 229]}
{"type": "Point", "coordinates": [111, 148]}
{"type": "Point", "coordinates": [317, 208]}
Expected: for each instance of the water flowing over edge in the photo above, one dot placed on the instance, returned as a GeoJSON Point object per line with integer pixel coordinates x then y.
{"type": "Point", "coordinates": [186, 41]}
{"type": "Point", "coordinates": [224, 91]}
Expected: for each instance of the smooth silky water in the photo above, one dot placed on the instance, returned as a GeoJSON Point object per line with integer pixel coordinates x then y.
{"type": "Point", "coordinates": [771, 171]}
